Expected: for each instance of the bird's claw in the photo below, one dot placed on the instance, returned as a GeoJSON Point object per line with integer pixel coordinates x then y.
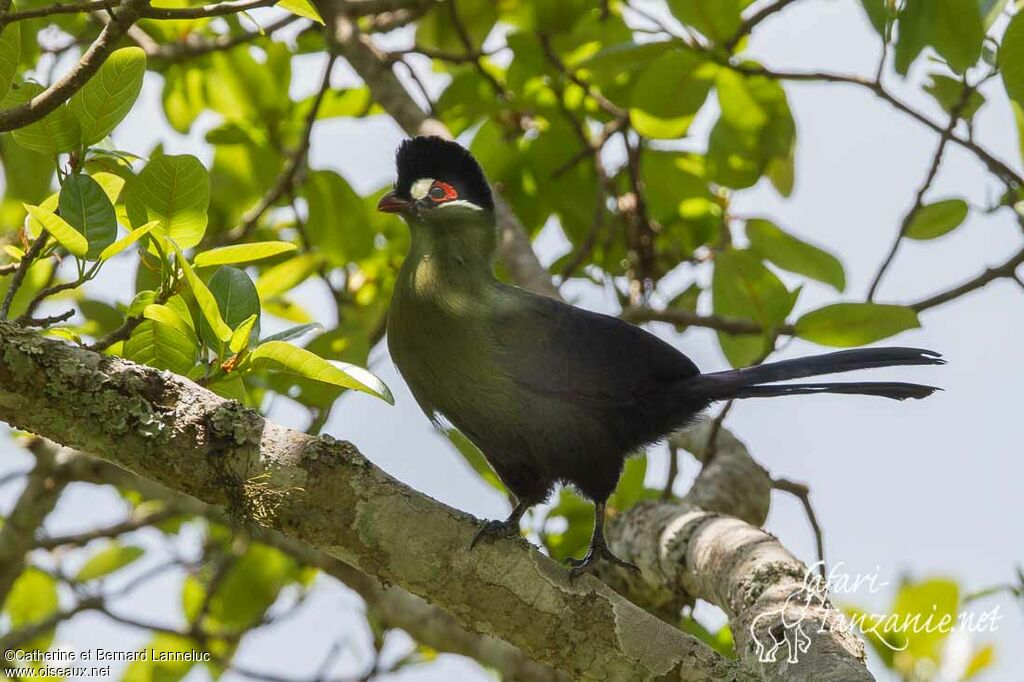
{"type": "Point", "coordinates": [590, 560]}
{"type": "Point", "coordinates": [494, 530]}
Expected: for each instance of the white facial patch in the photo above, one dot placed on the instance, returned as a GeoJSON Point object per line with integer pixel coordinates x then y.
{"type": "Point", "coordinates": [461, 202]}
{"type": "Point", "coordinates": [419, 189]}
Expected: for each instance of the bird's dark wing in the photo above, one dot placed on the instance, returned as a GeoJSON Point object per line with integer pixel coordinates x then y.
{"type": "Point", "coordinates": [556, 349]}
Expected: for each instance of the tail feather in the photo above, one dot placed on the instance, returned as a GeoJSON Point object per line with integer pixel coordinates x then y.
{"type": "Point", "coordinates": [896, 390]}
{"type": "Point", "coordinates": [750, 382]}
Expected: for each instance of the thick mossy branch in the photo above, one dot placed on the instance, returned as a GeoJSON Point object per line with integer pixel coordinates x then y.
{"type": "Point", "coordinates": [709, 546]}
{"type": "Point", "coordinates": [326, 494]}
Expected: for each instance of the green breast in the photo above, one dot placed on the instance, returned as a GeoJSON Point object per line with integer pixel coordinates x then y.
{"type": "Point", "coordinates": [441, 338]}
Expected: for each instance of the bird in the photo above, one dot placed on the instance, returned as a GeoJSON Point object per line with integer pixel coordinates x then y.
{"type": "Point", "coordinates": [551, 393]}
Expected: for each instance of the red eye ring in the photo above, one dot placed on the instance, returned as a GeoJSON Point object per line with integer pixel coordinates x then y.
{"type": "Point", "coordinates": [441, 192]}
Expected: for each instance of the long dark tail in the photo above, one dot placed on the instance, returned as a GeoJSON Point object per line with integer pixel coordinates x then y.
{"type": "Point", "coordinates": [759, 381]}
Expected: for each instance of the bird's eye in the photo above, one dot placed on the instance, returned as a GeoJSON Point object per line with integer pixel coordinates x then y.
{"type": "Point", "coordinates": [441, 192]}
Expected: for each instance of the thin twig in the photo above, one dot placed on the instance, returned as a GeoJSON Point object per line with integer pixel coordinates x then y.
{"type": "Point", "coordinates": [1006, 269]}
{"type": "Point", "coordinates": [129, 525]}
{"type": "Point", "coordinates": [195, 46]}
{"type": "Point", "coordinates": [1006, 174]}
{"type": "Point", "coordinates": [803, 493]}
{"type": "Point", "coordinates": [673, 472]}
{"type": "Point", "coordinates": [686, 318]}
{"type": "Point", "coordinates": [467, 43]}
{"type": "Point", "coordinates": [933, 169]}
{"type": "Point", "coordinates": [753, 20]}
{"type": "Point", "coordinates": [46, 321]}
{"type": "Point", "coordinates": [23, 268]}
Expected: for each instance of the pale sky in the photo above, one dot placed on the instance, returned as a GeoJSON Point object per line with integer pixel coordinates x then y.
{"type": "Point", "coordinates": [923, 488]}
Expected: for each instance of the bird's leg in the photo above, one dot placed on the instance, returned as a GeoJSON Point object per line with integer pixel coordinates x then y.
{"type": "Point", "coordinates": [598, 549]}
{"type": "Point", "coordinates": [502, 529]}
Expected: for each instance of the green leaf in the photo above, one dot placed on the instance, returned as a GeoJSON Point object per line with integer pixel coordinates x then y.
{"type": "Point", "coordinates": [50, 206]}
{"type": "Point", "coordinates": [953, 27]}
{"type": "Point", "coordinates": [281, 356]}
{"type": "Point", "coordinates": [302, 8]}
{"type": "Point", "coordinates": [32, 598]}
{"type": "Point", "coordinates": [162, 346]}
{"type": "Point", "coordinates": [294, 332]}
{"type": "Point", "coordinates": [338, 103]}
{"type": "Point", "coordinates": [240, 338]}
{"type": "Point", "coordinates": [68, 237]}
{"type": "Point", "coordinates": [881, 14]}
{"type": "Point", "coordinates": [52, 134]}
{"type": "Point", "coordinates": [85, 206]}
{"type": "Point", "coordinates": [936, 219]}
{"type": "Point", "coordinates": [126, 241]}
{"type": "Point", "coordinates": [1018, 117]}
{"type": "Point", "coordinates": [935, 598]}
{"type": "Point", "coordinates": [855, 324]}
{"type": "Point", "coordinates": [982, 659]}
{"type": "Point", "coordinates": [242, 253]}
{"type": "Point", "coordinates": [338, 226]}
{"type": "Point", "coordinates": [184, 96]}
{"type": "Point", "coordinates": [284, 276]}
{"type": "Point", "coordinates": [112, 558]}
{"type": "Point", "coordinates": [475, 459]}
{"type": "Point", "coordinates": [754, 136]}
{"type": "Point", "coordinates": [248, 589]}
{"type": "Point", "coordinates": [719, 20]}
{"type": "Point", "coordinates": [108, 96]}
{"type": "Point", "coordinates": [175, 190]}
{"type": "Point", "coordinates": [630, 488]}
{"type": "Point", "coordinates": [948, 92]}
{"type": "Point", "coordinates": [436, 30]}
{"type": "Point", "coordinates": [743, 288]}
{"type": "Point", "coordinates": [1011, 59]}
{"type": "Point", "coordinates": [10, 51]}
{"type": "Point", "coordinates": [789, 253]}
{"type": "Point", "coordinates": [168, 315]}
{"type": "Point", "coordinates": [738, 103]}
{"type": "Point", "coordinates": [207, 303]}
{"type": "Point", "coordinates": [236, 299]}
{"type": "Point", "coordinates": [165, 665]}
{"type": "Point", "coordinates": [669, 93]}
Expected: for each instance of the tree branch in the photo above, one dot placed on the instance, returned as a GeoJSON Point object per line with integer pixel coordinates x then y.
{"type": "Point", "coordinates": [324, 493]}
{"type": "Point", "coordinates": [37, 500]}
{"type": "Point", "coordinates": [690, 550]}
{"type": "Point", "coordinates": [52, 97]}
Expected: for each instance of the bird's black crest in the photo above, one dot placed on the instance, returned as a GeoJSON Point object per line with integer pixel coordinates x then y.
{"type": "Point", "coordinates": [440, 159]}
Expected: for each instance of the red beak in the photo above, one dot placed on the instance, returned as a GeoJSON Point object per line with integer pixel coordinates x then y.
{"type": "Point", "coordinates": [392, 203]}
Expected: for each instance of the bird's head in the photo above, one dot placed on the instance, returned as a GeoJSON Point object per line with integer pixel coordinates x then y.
{"type": "Point", "coordinates": [439, 183]}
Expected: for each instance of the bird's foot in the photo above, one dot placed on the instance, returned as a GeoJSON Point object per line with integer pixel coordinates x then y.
{"type": "Point", "coordinates": [590, 560]}
{"type": "Point", "coordinates": [492, 530]}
